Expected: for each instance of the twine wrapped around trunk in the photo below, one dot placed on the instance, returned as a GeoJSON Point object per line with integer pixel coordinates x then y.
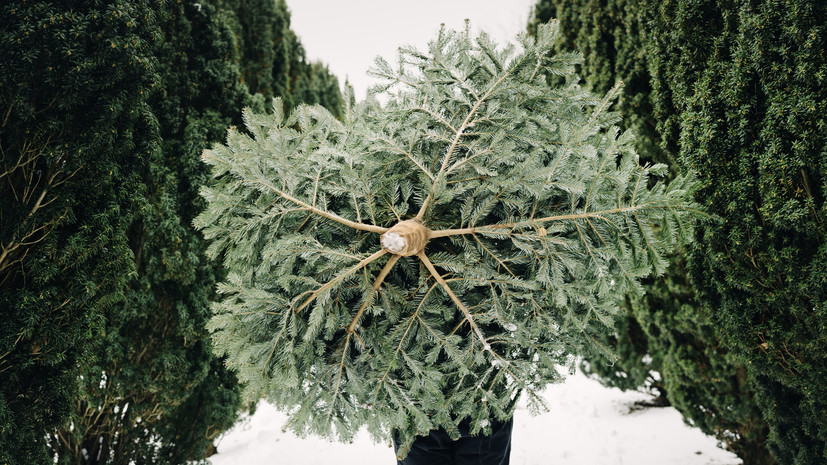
{"type": "Point", "coordinates": [406, 238]}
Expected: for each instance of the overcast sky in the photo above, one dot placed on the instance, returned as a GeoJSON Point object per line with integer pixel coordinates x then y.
{"type": "Point", "coordinates": [348, 35]}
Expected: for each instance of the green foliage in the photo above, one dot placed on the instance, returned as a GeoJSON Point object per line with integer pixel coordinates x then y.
{"type": "Point", "coordinates": [312, 83]}
{"type": "Point", "coordinates": [260, 37]}
{"type": "Point", "coordinates": [273, 61]}
{"type": "Point", "coordinates": [667, 342]}
{"type": "Point", "coordinates": [75, 131]}
{"type": "Point", "coordinates": [539, 218]}
{"type": "Point", "coordinates": [153, 356]}
{"type": "Point", "coordinates": [738, 92]}
{"type": "Point", "coordinates": [701, 379]}
{"type": "Point", "coordinates": [104, 284]}
{"type": "Point", "coordinates": [635, 366]}
{"type": "Point", "coordinates": [741, 89]}
{"type": "Point", "coordinates": [610, 35]}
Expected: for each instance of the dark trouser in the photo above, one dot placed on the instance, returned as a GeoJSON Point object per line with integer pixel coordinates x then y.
{"type": "Point", "coordinates": [439, 449]}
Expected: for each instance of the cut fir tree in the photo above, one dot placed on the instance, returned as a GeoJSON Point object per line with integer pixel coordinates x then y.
{"type": "Point", "coordinates": [431, 258]}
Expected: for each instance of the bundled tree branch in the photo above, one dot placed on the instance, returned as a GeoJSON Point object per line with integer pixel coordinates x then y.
{"type": "Point", "coordinates": [514, 224]}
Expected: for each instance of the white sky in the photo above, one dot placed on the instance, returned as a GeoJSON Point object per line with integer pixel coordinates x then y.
{"type": "Point", "coordinates": [348, 35]}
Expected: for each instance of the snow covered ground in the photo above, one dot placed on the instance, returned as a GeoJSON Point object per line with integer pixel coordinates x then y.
{"type": "Point", "coordinates": [587, 424]}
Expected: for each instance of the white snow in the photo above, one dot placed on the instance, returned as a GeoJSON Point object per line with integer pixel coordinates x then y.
{"type": "Point", "coordinates": [587, 424]}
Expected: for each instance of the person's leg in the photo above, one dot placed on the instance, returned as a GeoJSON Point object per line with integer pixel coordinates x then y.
{"type": "Point", "coordinates": [433, 449]}
{"type": "Point", "coordinates": [485, 450]}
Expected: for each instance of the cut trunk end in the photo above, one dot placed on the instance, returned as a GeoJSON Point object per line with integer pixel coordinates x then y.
{"type": "Point", "coordinates": [406, 238]}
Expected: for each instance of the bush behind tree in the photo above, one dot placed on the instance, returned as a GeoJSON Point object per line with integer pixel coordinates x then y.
{"type": "Point", "coordinates": [105, 287]}
{"type": "Point", "coordinates": [273, 61]}
{"type": "Point", "coordinates": [153, 357]}
{"type": "Point", "coordinates": [75, 132]}
{"type": "Point", "coordinates": [668, 342]}
{"type": "Point", "coordinates": [740, 90]}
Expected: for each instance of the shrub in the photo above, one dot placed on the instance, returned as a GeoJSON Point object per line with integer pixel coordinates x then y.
{"type": "Point", "coordinates": [76, 133]}
{"type": "Point", "coordinates": [740, 89]}
{"type": "Point", "coordinates": [669, 341]}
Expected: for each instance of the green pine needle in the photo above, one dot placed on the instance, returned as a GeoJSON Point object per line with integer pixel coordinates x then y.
{"type": "Point", "coordinates": [540, 217]}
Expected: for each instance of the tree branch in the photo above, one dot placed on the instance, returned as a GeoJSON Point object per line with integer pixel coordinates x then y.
{"type": "Point", "coordinates": [326, 214]}
{"type": "Point", "coordinates": [538, 221]}
{"type": "Point", "coordinates": [441, 281]}
{"type": "Point", "coordinates": [453, 146]}
{"type": "Point", "coordinates": [342, 276]}
{"type": "Point", "coordinates": [376, 284]}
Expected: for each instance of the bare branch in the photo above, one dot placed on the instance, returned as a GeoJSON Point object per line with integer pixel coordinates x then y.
{"type": "Point", "coordinates": [459, 304]}
{"type": "Point", "coordinates": [340, 277]}
{"type": "Point", "coordinates": [339, 374]}
{"type": "Point", "coordinates": [326, 214]}
{"type": "Point", "coordinates": [376, 284]}
{"type": "Point", "coordinates": [492, 228]}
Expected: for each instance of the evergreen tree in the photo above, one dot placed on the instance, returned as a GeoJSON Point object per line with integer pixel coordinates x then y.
{"type": "Point", "coordinates": [740, 90]}
{"type": "Point", "coordinates": [103, 282]}
{"type": "Point", "coordinates": [310, 83]}
{"type": "Point", "coordinates": [75, 131]}
{"type": "Point", "coordinates": [273, 61]}
{"type": "Point", "coordinates": [667, 341]}
{"type": "Point", "coordinates": [512, 216]}
{"type": "Point", "coordinates": [260, 34]}
{"type": "Point", "coordinates": [285, 67]}
{"type": "Point", "coordinates": [154, 392]}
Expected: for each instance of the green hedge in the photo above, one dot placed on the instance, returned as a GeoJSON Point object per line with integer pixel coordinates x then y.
{"type": "Point", "coordinates": [742, 86]}
{"type": "Point", "coordinates": [105, 108]}
{"type": "Point", "coordinates": [153, 358]}
{"type": "Point", "coordinates": [76, 133]}
{"type": "Point", "coordinates": [737, 94]}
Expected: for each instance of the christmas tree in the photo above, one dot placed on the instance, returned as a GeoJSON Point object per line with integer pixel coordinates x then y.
{"type": "Point", "coordinates": [433, 257]}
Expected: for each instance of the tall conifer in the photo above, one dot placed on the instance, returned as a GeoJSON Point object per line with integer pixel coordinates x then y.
{"type": "Point", "coordinates": [104, 285]}
{"type": "Point", "coordinates": [741, 90]}
{"type": "Point", "coordinates": [153, 353]}
{"type": "Point", "coordinates": [667, 341]}
{"type": "Point", "coordinates": [738, 92]}
{"type": "Point", "coordinates": [75, 131]}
